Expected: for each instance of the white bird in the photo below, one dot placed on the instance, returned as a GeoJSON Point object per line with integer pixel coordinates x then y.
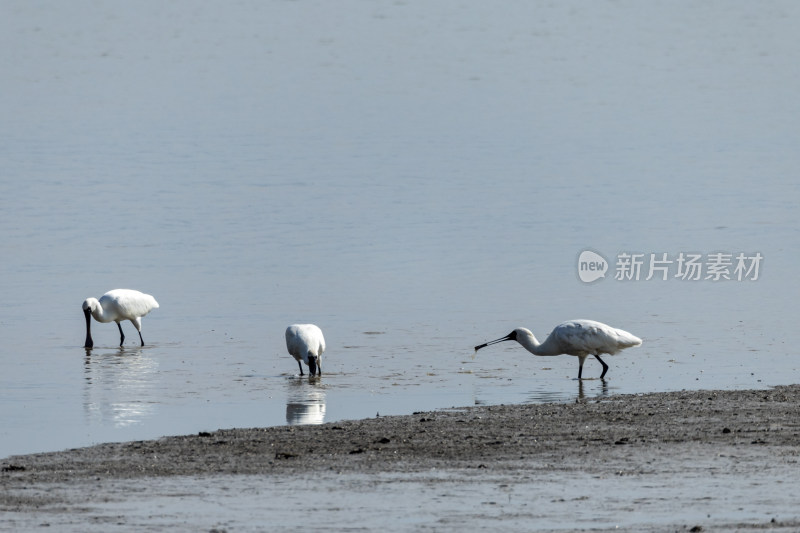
{"type": "Point", "coordinates": [117, 305]}
{"type": "Point", "coordinates": [306, 343]}
{"type": "Point", "coordinates": [581, 338]}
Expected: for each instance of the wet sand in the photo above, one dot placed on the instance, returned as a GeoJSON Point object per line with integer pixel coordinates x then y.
{"type": "Point", "coordinates": [701, 461]}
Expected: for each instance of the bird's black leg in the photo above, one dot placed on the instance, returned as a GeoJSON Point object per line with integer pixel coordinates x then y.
{"type": "Point", "coordinates": [140, 338]}
{"type": "Point", "coordinates": [605, 366]}
{"type": "Point", "coordinates": [580, 368]}
{"type": "Point", "coordinates": [301, 368]}
{"type": "Point", "coordinates": [121, 335]}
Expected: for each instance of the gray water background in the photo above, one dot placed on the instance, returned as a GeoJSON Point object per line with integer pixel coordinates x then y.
{"type": "Point", "coordinates": [414, 177]}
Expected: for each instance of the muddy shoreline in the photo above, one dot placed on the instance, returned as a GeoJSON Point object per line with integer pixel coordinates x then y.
{"type": "Point", "coordinates": [652, 436]}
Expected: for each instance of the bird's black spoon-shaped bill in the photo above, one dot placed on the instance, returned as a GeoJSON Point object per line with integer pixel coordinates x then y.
{"type": "Point", "coordinates": [508, 337]}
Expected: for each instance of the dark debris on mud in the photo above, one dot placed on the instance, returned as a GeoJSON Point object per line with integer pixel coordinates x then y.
{"type": "Point", "coordinates": [475, 437]}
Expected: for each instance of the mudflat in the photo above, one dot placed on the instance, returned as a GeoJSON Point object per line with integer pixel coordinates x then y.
{"type": "Point", "coordinates": [699, 460]}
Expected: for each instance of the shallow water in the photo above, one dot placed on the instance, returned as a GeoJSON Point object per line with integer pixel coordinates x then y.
{"type": "Point", "coordinates": [415, 179]}
{"type": "Point", "coordinates": [444, 499]}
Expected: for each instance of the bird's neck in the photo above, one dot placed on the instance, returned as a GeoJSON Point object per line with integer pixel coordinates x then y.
{"type": "Point", "coordinates": [99, 313]}
{"type": "Point", "coordinates": [530, 343]}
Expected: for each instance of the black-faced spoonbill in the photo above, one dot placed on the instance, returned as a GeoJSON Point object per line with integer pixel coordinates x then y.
{"type": "Point", "coordinates": [581, 338]}
{"type": "Point", "coordinates": [306, 343]}
{"type": "Point", "coordinates": [117, 305]}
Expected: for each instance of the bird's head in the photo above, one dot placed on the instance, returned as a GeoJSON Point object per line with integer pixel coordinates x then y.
{"type": "Point", "coordinates": [313, 363]}
{"type": "Point", "coordinates": [90, 305]}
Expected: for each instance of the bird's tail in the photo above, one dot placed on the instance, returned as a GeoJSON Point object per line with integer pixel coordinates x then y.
{"type": "Point", "coordinates": [628, 340]}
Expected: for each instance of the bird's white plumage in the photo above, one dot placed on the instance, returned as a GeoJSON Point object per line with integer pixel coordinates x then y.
{"type": "Point", "coordinates": [588, 337]}
{"type": "Point", "coordinates": [580, 338]}
{"type": "Point", "coordinates": [305, 343]}
{"type": "Point", "coordinates": [121, 304]}
{"type": "Point", "coordinates": [118, 305]}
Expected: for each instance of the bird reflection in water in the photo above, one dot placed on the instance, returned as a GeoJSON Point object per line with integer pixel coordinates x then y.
{"type": "Point", "coordinates": [305, 402]}
{"type": "Point", "coordinates": [119, 386]}
{"type": "Point", "coordinates": [562, 395]}
{"type": "Point", "coordinates": [602, 393]}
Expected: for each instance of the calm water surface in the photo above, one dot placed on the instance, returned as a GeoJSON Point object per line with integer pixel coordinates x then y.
{"type": "Point", "coordinates": [414, 178]}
